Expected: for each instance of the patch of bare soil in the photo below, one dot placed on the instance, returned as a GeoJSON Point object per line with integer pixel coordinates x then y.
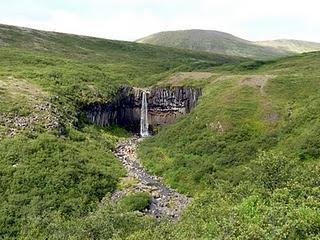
{"type": "Point", "coordinates": [256, 81]}
{"type": "Point", "coordinates": [180, 77]}
{"type": "Point", "coordinates": [259, 82]}
{"type": "Point", "coordinates": [20, 87]}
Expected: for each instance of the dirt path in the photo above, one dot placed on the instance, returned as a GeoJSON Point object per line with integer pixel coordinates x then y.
{"type": "Point", "coordinates": [166, 202]}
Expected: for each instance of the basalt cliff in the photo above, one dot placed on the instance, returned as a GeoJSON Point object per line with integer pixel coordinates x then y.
{"type": "Point", "coordinates": [165, 105]}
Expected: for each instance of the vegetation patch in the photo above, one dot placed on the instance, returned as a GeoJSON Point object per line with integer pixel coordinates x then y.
{"type": "Point", "coordinates": [249, 160]}
{"type": "Point", "coordinates": [135, 201]}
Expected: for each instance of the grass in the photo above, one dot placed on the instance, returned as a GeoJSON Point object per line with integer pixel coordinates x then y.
{"type": "Point", "coordinates": [53, 178]}
{"type": "Point", "coordinates": [135, 201]}
{"type": "Point", "coordinates": [46, 174]}
{"type": "Point", "coordinates": [248, 157]}
{"type": "Point", "coordinates": [234, 121]}
{"type": "Point", "coordinates": [17, 94]}
{"type": "Point", "coordinates": [69, 71]}
{"type": "Point", "coordinates": [216, 42]}
{"type": "Point", "coordinates": [292, 45]}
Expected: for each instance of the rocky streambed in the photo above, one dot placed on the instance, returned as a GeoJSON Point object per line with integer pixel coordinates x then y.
{"type": "Point", "coordinates": [165, 201]}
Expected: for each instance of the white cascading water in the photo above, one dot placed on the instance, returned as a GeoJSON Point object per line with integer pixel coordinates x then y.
{"type": "Point", "coordinates": [144, 125]}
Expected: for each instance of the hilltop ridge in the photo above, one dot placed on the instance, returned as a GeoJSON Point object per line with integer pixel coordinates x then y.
{"type": "Point", "coordinates": [225, 43]}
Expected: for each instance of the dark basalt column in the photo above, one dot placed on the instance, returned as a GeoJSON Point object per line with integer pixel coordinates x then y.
{"type": "Point", "coordinates": [165, 105]}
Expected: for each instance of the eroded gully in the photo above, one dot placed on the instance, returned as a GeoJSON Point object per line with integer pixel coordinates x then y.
{"type": "Point", "coordinates": [165, 201]}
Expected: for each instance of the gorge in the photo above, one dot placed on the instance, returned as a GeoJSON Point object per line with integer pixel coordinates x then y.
{"type": "Point", "coordinates": [164, 106]}
{"type": "Point", "coordinates": [143, 111]}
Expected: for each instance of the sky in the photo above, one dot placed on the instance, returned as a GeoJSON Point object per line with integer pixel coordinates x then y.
{"type": "Point", "coordinates": [132, 19]}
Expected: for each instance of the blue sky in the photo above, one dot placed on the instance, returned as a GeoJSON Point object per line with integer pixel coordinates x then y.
{"type": "Point", "coordinates": [132, 19]}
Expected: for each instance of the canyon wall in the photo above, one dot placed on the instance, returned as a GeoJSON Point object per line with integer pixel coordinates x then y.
{"type": "Point", "coordinates": [165, 105]}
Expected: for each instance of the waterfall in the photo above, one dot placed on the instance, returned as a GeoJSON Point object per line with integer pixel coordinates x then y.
{"type": "Point", "coordinates": [144, 125]}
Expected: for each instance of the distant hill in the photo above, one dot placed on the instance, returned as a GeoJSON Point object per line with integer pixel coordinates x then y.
{"type": "Point", "coordinates": [291, 45]}
{"type": "Point", "coordinates": [68, 62]}
{"type": "Point", "coordinates": [225, 43]}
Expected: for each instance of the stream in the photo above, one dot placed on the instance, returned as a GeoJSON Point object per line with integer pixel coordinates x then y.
{"type": "Point", "coordinates": [165, 201]}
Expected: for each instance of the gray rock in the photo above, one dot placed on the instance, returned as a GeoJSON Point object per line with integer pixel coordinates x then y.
{"type": "Point", "coordinates": [165, 200]}
{"type": "Point", "coordinates": [165, 105]}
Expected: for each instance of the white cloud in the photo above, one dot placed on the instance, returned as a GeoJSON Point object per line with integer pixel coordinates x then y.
{"type": "Point", "coordinates": [132, 19]}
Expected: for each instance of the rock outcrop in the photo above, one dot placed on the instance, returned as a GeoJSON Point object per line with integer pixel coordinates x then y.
{"type": "Point", "coordinates": [165, 105]}
{"type": "Point", "coordinates": [44, 114]}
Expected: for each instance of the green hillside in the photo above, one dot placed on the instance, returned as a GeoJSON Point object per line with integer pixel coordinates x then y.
{"type": "Point", "coordinates": [213, 41]}
{"type": "Point", "coordinates": [248, 154]}
{"type": "Point", "coordinates": [54, 168]}
{"type": "Point", "coordinates": [78, 70]}
{"type": "Point", "coordinates": [296, 46]}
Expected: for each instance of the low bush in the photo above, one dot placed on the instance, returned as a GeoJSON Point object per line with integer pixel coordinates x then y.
{"type": "Point", "coordinates": [135, 201]}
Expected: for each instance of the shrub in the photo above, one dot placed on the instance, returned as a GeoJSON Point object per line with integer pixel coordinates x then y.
{"type": "Point", "coordinates": [135, 201]}
{"type": "Point", "coordinates": [272, 170]}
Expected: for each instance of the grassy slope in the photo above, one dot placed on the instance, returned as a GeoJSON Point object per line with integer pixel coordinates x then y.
{"type": "Point", "coordinates": [49, 183]}
{"type": "Point", "coordinates": [78, 70]}
{"type": "Point", "coordinates": [249, 156]}
{"type": "Point", "coordinates": [292, 45]}
{"type": "Point", "coordinates": [48, 180]}
{"type": "Point", "coordinates": [120, 62]}
{"type": "Point", "coordinates": [231, 110]}
{"type": "Point", "coordinates": [213, 41]}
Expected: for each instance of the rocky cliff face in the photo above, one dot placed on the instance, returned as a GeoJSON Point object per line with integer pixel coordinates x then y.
{"type": "Point", "coordinates": [165, 105]}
